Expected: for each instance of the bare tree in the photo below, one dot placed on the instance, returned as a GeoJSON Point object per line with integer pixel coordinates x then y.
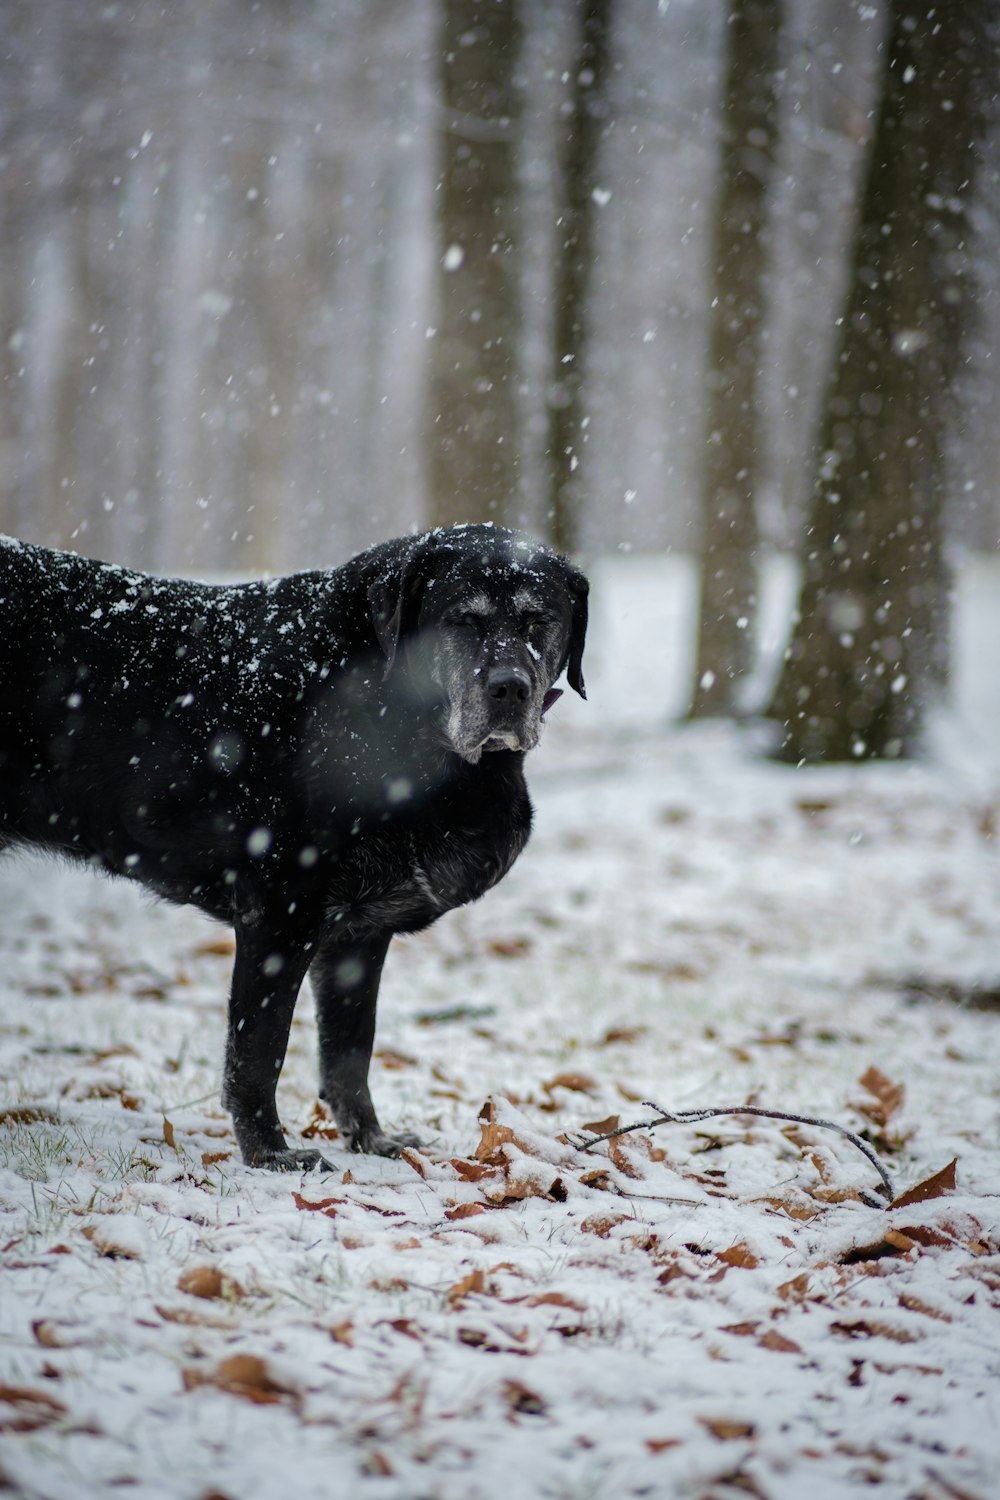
{"type": "Point", "coordinates": [586, 122]}
{"type": "Point", "coordinates": [472, 436]}
{"type": "Point", "coordinates": [734, 421]}
{"type": "Point", "coordinates": [870, 642]}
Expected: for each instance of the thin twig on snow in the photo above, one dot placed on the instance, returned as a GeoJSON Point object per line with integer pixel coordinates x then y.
{"type": "Point", "coordinates": [693, 1116]}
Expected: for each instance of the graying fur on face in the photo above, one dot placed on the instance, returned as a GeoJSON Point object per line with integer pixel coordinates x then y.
{"type": "Point", "coordinates": [463, 661]}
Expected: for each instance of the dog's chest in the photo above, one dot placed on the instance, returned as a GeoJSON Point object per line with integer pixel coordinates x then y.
{"type": "Point", "coordinates": [402, 883]}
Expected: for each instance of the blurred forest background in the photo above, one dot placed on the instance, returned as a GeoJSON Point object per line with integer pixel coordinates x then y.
{"type": "Point", "coordinates": [279, 278]}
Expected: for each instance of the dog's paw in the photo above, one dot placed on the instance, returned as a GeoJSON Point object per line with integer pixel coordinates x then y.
{"type": "Point", "coordinates": [293, 1159]}
{"type": "Point", "coordinates": [376, 1143]}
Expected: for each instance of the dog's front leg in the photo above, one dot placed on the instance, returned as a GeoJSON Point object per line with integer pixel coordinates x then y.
{"type": "Point", "coordinates": [267, 974]}
{"type": "Point", "coordinates": [345, 980]}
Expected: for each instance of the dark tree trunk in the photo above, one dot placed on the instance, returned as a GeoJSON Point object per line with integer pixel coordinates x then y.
{"type": "Point", "coordinates": [870, 643]}
{"type": "Point", "coordinates": [574, 258]}
{"type": "Point", "coordinates": [734, 421]}
{"type": "Point", "coordinates": [472, 430]}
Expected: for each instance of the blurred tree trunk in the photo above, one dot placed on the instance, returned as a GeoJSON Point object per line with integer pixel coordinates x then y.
{"type": "Point", "coordinates": [870, 643]}
{"type": "Point", "coordinates": [472, 440]}
{"type": "Point", "coordinates": [578, 166]}
{"type": "Point", "coordinates": [734, 421]}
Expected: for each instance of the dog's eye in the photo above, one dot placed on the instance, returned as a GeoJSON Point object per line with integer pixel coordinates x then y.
{"type": "Point", "coordinates": [532, 626]}
{"type": "Point", "coordinates": [465, 620]}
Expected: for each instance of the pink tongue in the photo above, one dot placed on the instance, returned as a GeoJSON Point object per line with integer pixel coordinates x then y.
{"type": "Point", "coordinates": [552, 696]}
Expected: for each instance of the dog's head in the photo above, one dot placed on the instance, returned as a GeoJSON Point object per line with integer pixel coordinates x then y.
{"type": "Point", "coordinates": [483, 620]}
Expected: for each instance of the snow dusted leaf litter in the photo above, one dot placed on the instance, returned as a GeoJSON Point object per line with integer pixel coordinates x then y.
{"type": "Point", "coordinates": [696, 1311]}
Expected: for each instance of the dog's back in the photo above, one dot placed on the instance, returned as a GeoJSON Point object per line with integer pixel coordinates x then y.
{"type": "Point", "coordinates": [126, 704]}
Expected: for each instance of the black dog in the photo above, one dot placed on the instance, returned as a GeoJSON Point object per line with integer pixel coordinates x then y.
{"type": "Point", "coordinates": [305, 759]}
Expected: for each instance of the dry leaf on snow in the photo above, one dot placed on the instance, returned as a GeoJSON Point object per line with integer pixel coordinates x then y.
{"type": "Point", "coordinates": [209, 1282]}
{"type": "Point", "coordinates": [521, 1399]}
{"type": "Point", "coordinates": [509, 947]}
{"type": "Point", "coordinates": [327, 1206]}
{"type": "Point", "coordinates": [474, 1282]}
{"type": "Point", "coordinates": [777, 1341]}
{"type": "Point", "coordinates": [936, 1186]}
{"type": "Point", "coordinates": [320, 1126]}
{"type": "Point", "coordinates": [28, 1409]}
{"type": "Point", "coordinates": [886, 1096]}
{"type": "Point", "coordinates": [577, 1083]}
{"type": "Point", "coordinates": [891, 1242]}
{"type": "Point", "coordinates": [464, 1211]}
{"type": "Point", "coordinates": [552, 1299]}
{"type": "Point", "coordinates": [53, 1335]}
{"type": "Point", "coordinates": [472, 1171]}
{"type": "Point", "coordinates": [726, 1429]}
{"type": "Point", "coordinates": [854, 1328]}
{"type": "Point", "coordinates": [739, 1255]}
{"type": "Point", "coordinates": [215, 948]}
{"type": "Point", "coordinates": [244, 1375]}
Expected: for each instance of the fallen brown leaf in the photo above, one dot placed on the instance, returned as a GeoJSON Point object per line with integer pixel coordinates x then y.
{"type": "Point", "coordinates": [914, 1304]}
{"type": "Point", "coordinates": [215, 948]}
{"type": "Point", "coordinates": [886, 1096]}
{"type": "Point", "coordinates": [923, 1234]}
{"type": "Point", "coordinates": [102, 1237]}
{"type": "Point", "coordinates": [189, 1317]}
{"type": "Point", "coordinates": [415, 1160]}
{"type": "Point", "coordinates": [50, 1335]}
{"type": "Point", "coordinates": [209, 1283]}
{"type": "Point", "coordinates": [739, 1255]}
{"type": "Point", "coordinates": [853, 1328]}
{"type": "Point", "coordinates": [602, 1224]}
{"type": "Point", "coordinates": [509, 947]}
{"type": "Point", "coordinates": [554, 1299]}
{"type": "Point", "coordinates": [772, 1339]}
{"type": "Point", "coordinates": [726, 1429]}
{"type": "Point", "coordinates": [27, 1114]}
{"type": "Point", "coordinates": [598, 1177]}
{"type": "Point", "coordinates": [622, 1034]}
{"type": "Point", "coordinates": [327, 1206]}
{"type": "Point", "coordinates": [492, 1135]}
{"type": "Point", "coordinates": [394, 1061]}
{"type": "Point", "coordinates": [406, 1327]}
{"type": "Point", "coordinates": [464, 1211]}
{"type": "Point", "coordinates": [577, 1083]}
{"type": "Point", "coordinates": [31, 1409]}
{"type": "Point", "coordinates": [474, 1282]}
{"type": "Point", "coordinates": [244, 1375]}
{"type": "Point", "coordinates": [320, 1126]}
{"type": "Point", "coordinates": [618, 1155]}
{"type": "Point", "coordinates": [471, 1171]}
{"type": "Point", "coordinates": [521, 1399]}
{"type": "Point", "coordinates": [936, 1186]}
{"type": "Point", "coordinates": [378, 1465]}
{"type": "Point", "coordinates": [891, 1242]}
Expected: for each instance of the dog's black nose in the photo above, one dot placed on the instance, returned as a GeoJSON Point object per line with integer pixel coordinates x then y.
{"type": "Point", "coordinates": [508, 683]}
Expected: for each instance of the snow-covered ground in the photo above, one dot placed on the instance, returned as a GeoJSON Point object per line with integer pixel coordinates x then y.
{"type": "Point", "coordinates": [702, 1311]}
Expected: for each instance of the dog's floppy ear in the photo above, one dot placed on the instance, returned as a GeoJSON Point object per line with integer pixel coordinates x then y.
{"type": "Point", "coordinates": [395, 605]}
{"type": "Point", "coordinates": [579, 588]}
